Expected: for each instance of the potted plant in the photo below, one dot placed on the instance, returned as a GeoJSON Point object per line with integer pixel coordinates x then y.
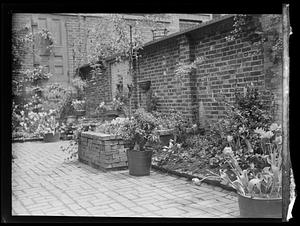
{"type": "Point", "coordinates": [140, 131]}
{"type": "Point", "coordinates": [145, 85]}
{"type": "Point", "coordinates": [49, 127]}
{"type": "Point", "coordinates": [79, 107]}
{"type": "Point", "coordinates": [259, 186]}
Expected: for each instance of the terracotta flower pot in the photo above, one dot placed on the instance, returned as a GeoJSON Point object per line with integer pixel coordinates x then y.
{"type": "Point", "coordinates": [50, 137]}
{"type": "Point", "coordinates": [260, 207]}
{"type": "Point", "coordinates": [139, 162]}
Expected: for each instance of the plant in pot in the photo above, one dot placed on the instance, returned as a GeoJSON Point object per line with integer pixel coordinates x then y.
{"type": "Point", "coordinates": [49, 126]}
{"type": "Point", "coordinates": [139, 132]}
{"type": "Point", "coordinates": [79, 107]}
{"type": "Point", "coordinates": [258, 186]}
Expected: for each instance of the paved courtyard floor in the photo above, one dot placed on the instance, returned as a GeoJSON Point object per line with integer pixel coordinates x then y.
{"type": "Point", "coordinates": [44, 185]}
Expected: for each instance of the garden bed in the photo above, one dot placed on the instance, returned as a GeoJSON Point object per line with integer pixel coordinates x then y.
{"type": "Point", "coordinates": [165, 136]}
{"type": "Point", "coordinates": [190, 176]}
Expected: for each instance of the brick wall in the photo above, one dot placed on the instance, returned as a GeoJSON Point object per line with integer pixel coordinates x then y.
{"type": "Point", "coordinates": [102, 150]}
{"type": "Point", "coordinates": [228, 67]}
{"type": "Point", "coordinates": [98, 90]}
{"type": "Point", "coordinates": [273, 72]}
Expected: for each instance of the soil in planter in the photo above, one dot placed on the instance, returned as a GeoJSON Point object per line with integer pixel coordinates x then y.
{"type": "Point", "coordinates": [190, 166]}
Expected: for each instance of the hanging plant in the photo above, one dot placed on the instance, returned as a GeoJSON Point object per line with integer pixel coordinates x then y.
{"type": "Point", "coordinates": [184, 69]}
{"type": "Point", "coordinates": [45, 36]}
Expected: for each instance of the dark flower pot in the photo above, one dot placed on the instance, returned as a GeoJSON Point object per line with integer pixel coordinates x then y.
{"type": "Point", "coordinates": [260, 207]}
{"type": "Point", "coordinates": [139, 162]}
{"type": "Point", "coordinates": [50, 137]}
{"type": "Point", "coordinates": [145, 85]}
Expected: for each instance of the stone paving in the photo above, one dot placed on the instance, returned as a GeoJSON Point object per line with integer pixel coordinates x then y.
{"type": "Point", "coordinates": [44, 185]}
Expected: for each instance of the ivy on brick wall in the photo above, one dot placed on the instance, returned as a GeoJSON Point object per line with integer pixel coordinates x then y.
{"type": "Point", "coordinates": [266, 28]}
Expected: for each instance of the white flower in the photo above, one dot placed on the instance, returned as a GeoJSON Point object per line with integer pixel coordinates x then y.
{"type": "Point", "coordinates": [267, 135]}
{"type": "Point", "coordinates": [229, 138]}
{"type": "Point", "coordinates": [242, 129]}
{"type": "Point", "coordinates": [278, 140]}
{"type": "Point", "coordinates": [196, 180]}
{"type": "Point", "coordinates": [259, 131]}
{"type": "Point", "coordinates": [275, 127]}
{"type": "Point", "coordinates": [227, 151]}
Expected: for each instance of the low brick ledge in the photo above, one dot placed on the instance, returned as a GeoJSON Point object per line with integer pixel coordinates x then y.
{"type": "Point", "coordinates": [100, 136]}
{"type": "Point", "coordinates": [22, 140]}
{"type": "Point", "coordinates": [191, 176]}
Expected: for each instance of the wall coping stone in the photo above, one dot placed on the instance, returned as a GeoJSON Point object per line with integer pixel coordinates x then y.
{"type": "Point", "coordinates": [100, 136]}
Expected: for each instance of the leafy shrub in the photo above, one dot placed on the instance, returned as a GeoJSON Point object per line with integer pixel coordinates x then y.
{"type": "Point", "coordinates": [251, 109]}
{"type": "Point", "coordinates": [140, 129]}
{"type": "Point", "coordinates": [173, 120]}
{"type": "Point", "coordinates": [112, 127]}
{"type": "Point", "coordinates": [263, 181]}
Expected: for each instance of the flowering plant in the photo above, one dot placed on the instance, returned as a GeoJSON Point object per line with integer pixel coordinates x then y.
{"type": "Point", "coordinates": [115, 105]}
{"type": "Point", "coordinates": [115, 126]}
{"type": "Point", "coordinates": [36, 74]}
{"type": "Point", "coordinates": [30, 121]}
{"type": "Point", "coordinates": [78, 104]}
{"type": "Point", "coordinates": [79, 85]}
{"type": "Point", "coordinates": [255, 181]}
{"type": "Point", "coordinates": [48, 122]}
{"type": "Point", "coordinates": [45, 34]}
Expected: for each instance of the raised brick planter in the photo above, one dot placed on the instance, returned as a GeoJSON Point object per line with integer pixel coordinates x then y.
{"type": "Point", "coordinates": [101, 150]}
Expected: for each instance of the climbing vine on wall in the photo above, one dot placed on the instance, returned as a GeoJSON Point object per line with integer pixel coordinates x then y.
{"type": "Point", "coordinates": [266, 28]}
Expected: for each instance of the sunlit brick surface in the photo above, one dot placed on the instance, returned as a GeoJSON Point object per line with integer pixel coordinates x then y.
{"type": "Point", "coordinates": [43, 184]}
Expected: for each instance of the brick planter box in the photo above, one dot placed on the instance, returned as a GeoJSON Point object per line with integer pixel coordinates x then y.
{"type": "Point", "coordinates": [101, 150]}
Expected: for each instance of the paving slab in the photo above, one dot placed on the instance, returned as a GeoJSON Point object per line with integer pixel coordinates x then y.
{"type": "Point", "coordinates": [44, 184]}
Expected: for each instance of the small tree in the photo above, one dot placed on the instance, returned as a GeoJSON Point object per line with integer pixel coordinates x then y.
{"type": "Point", "coordinates": [263, 28]}
{"type": "Point", "coordinates": [112, 36]}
